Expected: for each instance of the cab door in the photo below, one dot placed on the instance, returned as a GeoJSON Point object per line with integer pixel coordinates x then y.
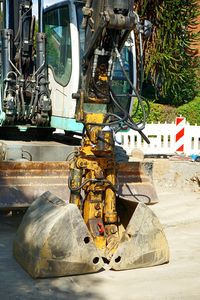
{"type": "Point", "coordinates": [60, 26]}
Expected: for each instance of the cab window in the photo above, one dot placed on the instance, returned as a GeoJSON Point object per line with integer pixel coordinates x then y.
{"type": "Point", "coordinates": [57, 29]}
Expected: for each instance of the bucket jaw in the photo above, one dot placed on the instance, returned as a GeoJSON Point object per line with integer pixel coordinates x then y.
{"type": "Point", "coordinates": [143, 242]}
{"type": "Point", "coordinates": [53, 239]}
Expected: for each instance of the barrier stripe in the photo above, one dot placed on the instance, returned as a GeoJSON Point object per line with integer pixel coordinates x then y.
{"type": "Point", "coordinates": [180, 133]}
{"type": "Point", "coordinates": [179, 120]}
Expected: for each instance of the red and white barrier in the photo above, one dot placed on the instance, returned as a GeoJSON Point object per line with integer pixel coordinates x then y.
{"type": "Point", "coordinates": [168, 139]}
{"type": "Point", "coordinates": [180, 134]}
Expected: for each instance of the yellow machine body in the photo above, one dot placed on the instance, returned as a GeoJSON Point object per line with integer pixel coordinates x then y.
{"type": "Point", "coordinates": [95, 228]}
{"type": "Point", "coordinates": [103, 223]}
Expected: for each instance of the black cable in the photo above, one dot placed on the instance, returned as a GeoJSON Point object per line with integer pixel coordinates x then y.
{"type": "Point", "coordinates": [68, 156]}
{"type": "Point", "coordinates": [126, 117]}
{"type": "Point", "coordinates": [22, 101]}
{"type": "Point", "coordinates": [92, 181]}
{"type": "Point", "coordinates": [130, 83]}
{"type": "Point", "coordinates": [137, 198]}
{"type": "Point", "coordinates": [132, 86]}
{"type": "Point", "coordinates": [128, 121]}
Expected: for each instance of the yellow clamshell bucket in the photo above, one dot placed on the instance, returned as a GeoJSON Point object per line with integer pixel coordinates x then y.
{"type": "Point", "coordinates": [53, 239]}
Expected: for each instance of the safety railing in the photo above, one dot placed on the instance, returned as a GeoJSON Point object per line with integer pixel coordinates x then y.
{"type": "Point", "coordinates": [165, 139]}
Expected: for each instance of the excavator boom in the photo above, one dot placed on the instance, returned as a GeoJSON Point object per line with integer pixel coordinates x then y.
{"type": "Point", "coordinates": [96, 227]}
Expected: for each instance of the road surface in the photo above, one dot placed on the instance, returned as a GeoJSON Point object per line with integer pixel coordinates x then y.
{"type": "Point", "coordinates": [178, 211]}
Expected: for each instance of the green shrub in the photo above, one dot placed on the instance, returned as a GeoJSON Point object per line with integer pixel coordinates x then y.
{"type": "Point", "coordinates": [162, 113]}
{"type": "Point", "coordinates": [159, 113]}
{"type": "Point", "coordinates": [191, 111]}
{"type": "Point", "coordinates": [166, 113]}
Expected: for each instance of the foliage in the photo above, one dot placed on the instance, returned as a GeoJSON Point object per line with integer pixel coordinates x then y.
{"type": "Point", "coordinates": [159, 113]}
{"type": "Point", "coordinates": [170, 54]}
{"type": "Point", "coordinates": [165, 113]}
{"type": "Point", "coordinates": [191, 111]}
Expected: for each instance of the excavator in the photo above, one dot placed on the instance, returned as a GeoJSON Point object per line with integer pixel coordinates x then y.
{"type": "Point", "coordinates": [95, 225]}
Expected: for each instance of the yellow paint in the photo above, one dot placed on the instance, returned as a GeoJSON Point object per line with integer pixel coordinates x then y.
{"type": "Point", "coordinates": [44, 255]}
{"type": "Point", "coordinates": [103, 77]}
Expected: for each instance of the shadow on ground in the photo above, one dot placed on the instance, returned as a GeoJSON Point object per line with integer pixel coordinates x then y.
{"type": "Point", "coordinates": [15, 283]}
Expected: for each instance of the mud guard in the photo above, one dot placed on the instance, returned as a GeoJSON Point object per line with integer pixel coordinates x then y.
{"type": "Point", "coordinates": [53, 240]}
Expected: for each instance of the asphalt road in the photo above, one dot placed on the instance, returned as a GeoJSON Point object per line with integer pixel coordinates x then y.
{"type": "Point", "coordinates": [178, 211]}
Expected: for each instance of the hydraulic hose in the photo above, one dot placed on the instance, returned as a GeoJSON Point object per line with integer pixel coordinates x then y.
{"type": "Point", "coordinates": [92, 181]}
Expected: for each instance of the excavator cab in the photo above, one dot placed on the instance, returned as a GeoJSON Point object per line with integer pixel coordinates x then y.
{"type": "Point", "coordinates": [65, 50]}
{"type": "Point", "coordinates": [53, 62]}
{"type": "Point", "coordinates": [96, 226]}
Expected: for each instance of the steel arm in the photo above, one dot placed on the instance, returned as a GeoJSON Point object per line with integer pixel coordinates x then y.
{"type": "Point", "coordinates": [93, 180]}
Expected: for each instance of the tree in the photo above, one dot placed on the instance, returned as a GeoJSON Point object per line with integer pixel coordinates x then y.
{"type": "Point", "coordinates": [171, 62]}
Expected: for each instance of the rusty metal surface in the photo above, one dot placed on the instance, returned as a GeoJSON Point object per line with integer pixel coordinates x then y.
{"type": "Point", "coordinates": [135, 183]}
{"type": "Point", "coordinates": [22, 182]}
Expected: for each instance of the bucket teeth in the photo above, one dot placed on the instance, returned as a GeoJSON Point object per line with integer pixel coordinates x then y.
{"type": "Point", "coordinates": [53, 239]}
